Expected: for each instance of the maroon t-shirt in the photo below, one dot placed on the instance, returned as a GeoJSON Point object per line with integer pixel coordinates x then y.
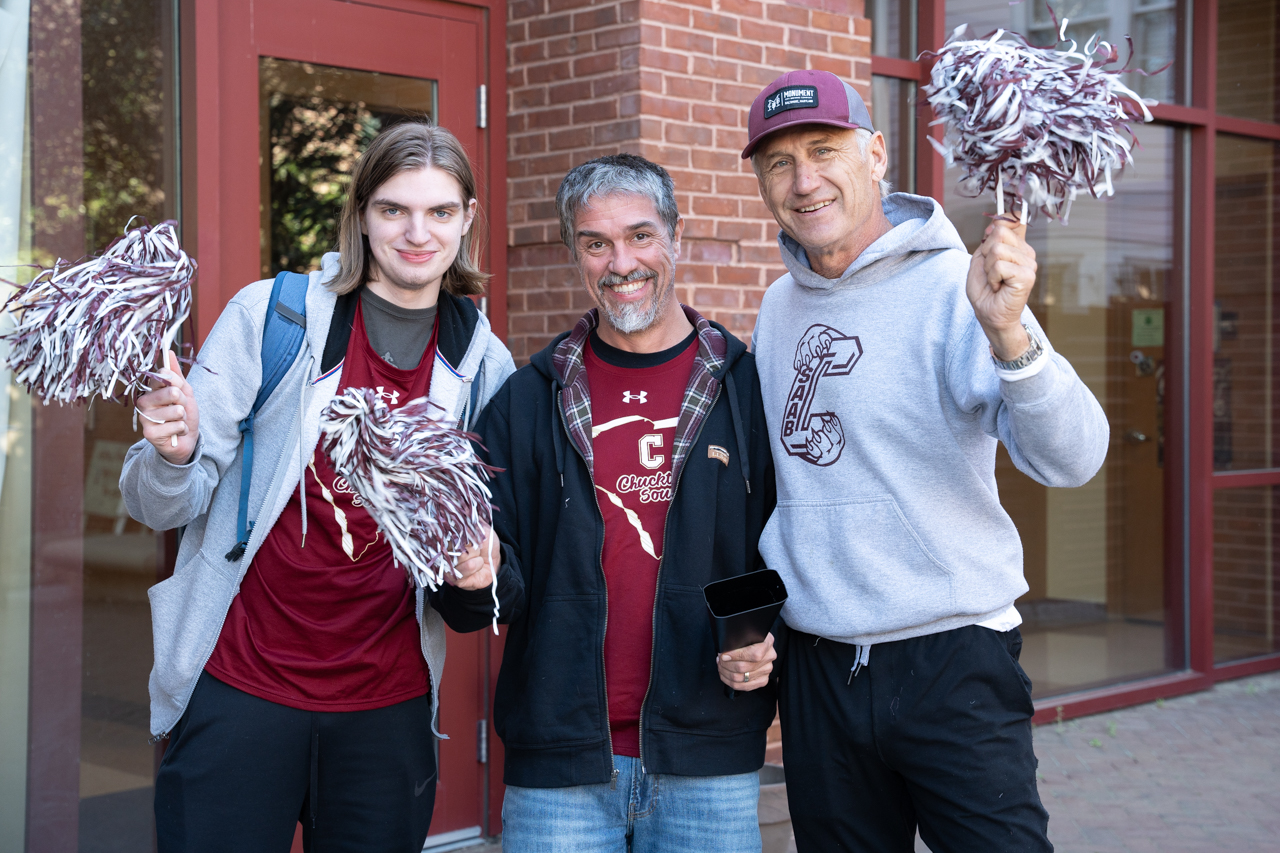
{"type": "Point", "coordinates": [635, 405]}
{"type": "Point", "coordinates": [330, 626]}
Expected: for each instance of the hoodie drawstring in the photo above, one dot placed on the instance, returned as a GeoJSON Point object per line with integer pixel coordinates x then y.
{"type": "Point", "coordinates": [863, 659]}
{"type": "Point", "coordinates": [302, 464]}
{"type": "Point", "coordinates": [738, 432]}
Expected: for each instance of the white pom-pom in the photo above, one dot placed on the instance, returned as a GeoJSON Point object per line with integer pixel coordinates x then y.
{"type": "Point", "coordinates": [419, 478]}
{"type": "Point", "coordinates": [1040, 124]}
{"type": "Point", "coordinates": [99, 326]}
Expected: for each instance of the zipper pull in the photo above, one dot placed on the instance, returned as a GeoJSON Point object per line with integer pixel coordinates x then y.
{"type": "Point", "coordinates": [613, 780]}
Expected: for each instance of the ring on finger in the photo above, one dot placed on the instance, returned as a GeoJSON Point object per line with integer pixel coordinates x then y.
{"type": "Point", "coordinates": [746, 676]}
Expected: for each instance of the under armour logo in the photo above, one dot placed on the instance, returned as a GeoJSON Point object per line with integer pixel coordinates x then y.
{"type": "Point", "coordinates": [627, 396]}
{"type": "Point", "coordinates": [393, 396]}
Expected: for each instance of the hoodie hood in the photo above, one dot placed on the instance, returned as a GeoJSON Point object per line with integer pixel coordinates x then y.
{"type": "Point", "coordinates": [919, 226]}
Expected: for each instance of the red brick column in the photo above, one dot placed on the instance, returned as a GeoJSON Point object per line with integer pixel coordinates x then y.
{"type": "Point", "coordinates": [671, 81]}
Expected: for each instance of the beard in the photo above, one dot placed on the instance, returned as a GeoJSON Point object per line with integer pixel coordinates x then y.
{"type": "Point", "coordinates": [631, 317]}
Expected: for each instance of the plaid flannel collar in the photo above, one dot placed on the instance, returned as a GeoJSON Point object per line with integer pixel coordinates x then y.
{"type": "Point", "coordinates": [699, 394]}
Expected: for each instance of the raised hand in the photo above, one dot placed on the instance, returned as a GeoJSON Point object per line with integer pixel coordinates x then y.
{"type": "Point", "coordinates": [1001, 275]}
{"type": "Point", "coordinates": [169, 414]}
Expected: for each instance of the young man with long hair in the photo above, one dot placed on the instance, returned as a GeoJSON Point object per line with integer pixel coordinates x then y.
{"type": "Point", "coordinates": [297, 671]}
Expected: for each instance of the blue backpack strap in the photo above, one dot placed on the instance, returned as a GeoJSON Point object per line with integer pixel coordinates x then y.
{"type": "Point", "coordinates": [282, 335]}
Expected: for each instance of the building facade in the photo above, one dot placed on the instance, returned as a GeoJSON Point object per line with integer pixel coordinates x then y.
{"type": "Point", "coordinates": [241, 120]}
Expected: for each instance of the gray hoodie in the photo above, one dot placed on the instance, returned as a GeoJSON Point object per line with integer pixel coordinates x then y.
{"type": "Point", "coordinates": [188, 609]}
{"type": "Point", "coordinates": [884, 409]}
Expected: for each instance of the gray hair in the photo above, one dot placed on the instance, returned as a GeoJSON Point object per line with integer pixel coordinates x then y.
{"type": "Point", "coordinates": [616, 174]}
{"type": "Point", "coordinates": [863, 138]}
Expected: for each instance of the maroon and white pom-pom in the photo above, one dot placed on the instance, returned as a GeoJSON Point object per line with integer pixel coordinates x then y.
{"type": "Point", "coordinates": [1037, 124]}
{"type": "Point", "coordinates": [419, 478]}
{"type": "Point", "coordinates": [100, 326]}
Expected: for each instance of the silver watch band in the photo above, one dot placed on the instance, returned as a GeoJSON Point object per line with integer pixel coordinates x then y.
{"type": "Point", "coordinates": [1034, 351]}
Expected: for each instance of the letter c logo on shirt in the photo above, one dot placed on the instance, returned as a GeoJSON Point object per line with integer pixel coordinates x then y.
{"type": "Point", "coordinates": [647, 457]}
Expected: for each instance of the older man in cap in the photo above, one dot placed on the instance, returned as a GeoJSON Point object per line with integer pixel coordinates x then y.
{"type": "Point", "coordinates": [891, 363]}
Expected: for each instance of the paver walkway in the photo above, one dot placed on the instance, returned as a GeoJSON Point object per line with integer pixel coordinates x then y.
{"type": "Point", "coordinates": [1195, 774]}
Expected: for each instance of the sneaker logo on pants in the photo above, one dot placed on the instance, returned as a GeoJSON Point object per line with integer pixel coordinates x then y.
{"type": "Point", "coordinates": [418, 789]}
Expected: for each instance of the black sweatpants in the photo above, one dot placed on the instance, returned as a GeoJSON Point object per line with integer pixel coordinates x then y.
{"type": "Point", "coordinates": [935, 731]}
{"type": "Point", "coordinates": [240, 772]}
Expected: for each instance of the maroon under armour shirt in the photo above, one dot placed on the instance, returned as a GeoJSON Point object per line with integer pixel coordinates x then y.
{"type": "Point", "coordinates": [330, 626]}
{"type": "Point", "coordinates": [635, 405]}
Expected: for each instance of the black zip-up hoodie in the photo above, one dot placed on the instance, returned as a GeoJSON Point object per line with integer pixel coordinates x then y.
{"type": "Point", "coordinates": [550, 710]}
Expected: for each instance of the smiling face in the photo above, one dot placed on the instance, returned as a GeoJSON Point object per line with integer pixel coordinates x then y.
{"type": "Point", "coordinates": [415, 221]}
{"type": "Point", "coordinates": [627, 261]}
{"type": "Point", "coordinates": [824, 192]}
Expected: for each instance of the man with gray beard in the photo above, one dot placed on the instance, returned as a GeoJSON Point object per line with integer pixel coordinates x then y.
{"type": "Point", "coordinates": [634, 469]}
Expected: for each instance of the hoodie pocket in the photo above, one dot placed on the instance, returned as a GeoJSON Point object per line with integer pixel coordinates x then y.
{"type": "Point", "coordinates": [557, 697]}
{"type": "Point", "coordinates": [855, 567]}
{"type": "Point", "coordinates": [187, 611]}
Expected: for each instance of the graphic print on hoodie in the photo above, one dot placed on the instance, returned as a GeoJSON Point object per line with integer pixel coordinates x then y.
{"type": "Point", "coordinates": [817, 437]}
{"type": "Point", "coordinates": [635, 407]}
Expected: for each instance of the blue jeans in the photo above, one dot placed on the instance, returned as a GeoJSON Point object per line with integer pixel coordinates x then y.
{"type": "Point", "coordinates": [645, 813]}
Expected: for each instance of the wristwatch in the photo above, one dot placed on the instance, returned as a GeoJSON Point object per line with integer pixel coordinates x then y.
{"type": "Point", "coordinates": [1034, 351]}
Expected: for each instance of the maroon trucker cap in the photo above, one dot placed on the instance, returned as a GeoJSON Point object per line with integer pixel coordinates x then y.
{"type": "Point", "coordinates": [804, 97]}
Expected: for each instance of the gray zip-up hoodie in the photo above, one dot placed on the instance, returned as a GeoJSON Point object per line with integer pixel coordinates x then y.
{"type": "Point", "coordinates": [188, 609]}
{"type": "Point", "coordinates": [884, 409]}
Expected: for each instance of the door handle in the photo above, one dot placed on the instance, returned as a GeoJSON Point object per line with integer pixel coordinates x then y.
{"type": "Point", "coordinates": [1134, 436]}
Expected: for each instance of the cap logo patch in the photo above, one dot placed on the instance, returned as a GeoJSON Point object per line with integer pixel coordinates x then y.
{"type": "Point", "coordinates": [791, 98]}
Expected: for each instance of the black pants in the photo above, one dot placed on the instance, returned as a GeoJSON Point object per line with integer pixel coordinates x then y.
{"type": "Point", "coordinates": [240, 772]}
{"type": "Point", "coordinates": [934, 732]}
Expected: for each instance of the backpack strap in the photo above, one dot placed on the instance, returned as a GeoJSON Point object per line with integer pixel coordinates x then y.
{"type": "Point", "coordinates": [282, 335]}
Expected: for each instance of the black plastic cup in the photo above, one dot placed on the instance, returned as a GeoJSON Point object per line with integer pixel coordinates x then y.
{"type": "Point", "coordinates": [743, 608]}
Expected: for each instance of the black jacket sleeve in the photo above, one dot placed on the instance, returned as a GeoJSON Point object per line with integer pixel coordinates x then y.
{"type": "Point", "coordinates": [467, 610]}
{"type": "Point", "coordinates": [472, 610]}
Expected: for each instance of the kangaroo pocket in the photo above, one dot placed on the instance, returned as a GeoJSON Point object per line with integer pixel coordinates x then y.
{"type": "Point", "coordinates": [186, 615]}
{"type": "Point", "coordinates": [854, 567]}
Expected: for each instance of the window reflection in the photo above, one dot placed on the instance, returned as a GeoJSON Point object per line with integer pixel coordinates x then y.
{"type": "Point", "coordinates": [1094, 556]}
{"type": "Point", "coordinates": [1152, 25]}
{"type": "Point", "coordinates": [99, 149]}
{"type": "Point", "coordinates": [893, 113]}
{"type": "Point", "coordinates": [1245, 524]}
{"type": "Point", "coordinates": [1247, 59]}
{"type": "Point", "coordinates": [893, 28]}
{"type": "Point", "coordinates": [316, 121]}
{"type": "Point", "coordinates": [1244, 374]}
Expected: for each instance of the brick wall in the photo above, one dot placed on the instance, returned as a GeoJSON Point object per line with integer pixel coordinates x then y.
{"type": "Point", "coordinates": [671, 81]}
